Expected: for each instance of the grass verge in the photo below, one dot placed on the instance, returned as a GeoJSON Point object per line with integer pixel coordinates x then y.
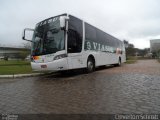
{"type": "Point", "coordinates": [13, 62]}
{"type": "Point", "coordinates": [15, 67]}
{"type": "Point", "coordinates": [131, 61]}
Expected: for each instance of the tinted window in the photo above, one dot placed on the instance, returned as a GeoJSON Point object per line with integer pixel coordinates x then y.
{"type": "Point", "coordinates": [74, 42]}
{"type": "Point", "coordinates": [74, 35]}
{"type": "Point", "coordinates": [96, 39]}
{"type": "Point", "coordinates": [110, 40]}
{"type": "Point", "coordinates": [90, 32]}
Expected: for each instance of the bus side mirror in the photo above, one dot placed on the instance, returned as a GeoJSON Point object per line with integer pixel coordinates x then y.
{"type": "Point", "coordinates": [28, 34]}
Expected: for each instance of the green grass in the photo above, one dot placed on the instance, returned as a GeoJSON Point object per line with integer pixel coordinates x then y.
{"type": "Point", "coordinates": [131, 61]}
{"type": "Point", "coordinates": [14, 62]}
{"type": "Point", "coordinates": [15, 67]}
{"type": "Point", "coordinates": [131, 58]}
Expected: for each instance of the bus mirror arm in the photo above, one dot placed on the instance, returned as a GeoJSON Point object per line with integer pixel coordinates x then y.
{"type": "Point", "coordinates": [27, 40]}
{"type": "Point", "coordinates": [24, 34]}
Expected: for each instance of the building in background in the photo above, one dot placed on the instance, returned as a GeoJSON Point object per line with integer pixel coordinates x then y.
{"type": "Point", "coordinates": [13, 52]}
{"type": "Point", "coordinates": [155, 47]}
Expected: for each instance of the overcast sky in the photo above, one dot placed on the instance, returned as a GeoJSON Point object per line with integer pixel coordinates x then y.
{"type": "Point", "coordinates": [137, 21]}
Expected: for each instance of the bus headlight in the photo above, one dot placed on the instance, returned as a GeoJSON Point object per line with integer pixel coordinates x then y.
{"type": "Point", "coordinates": [60, 56]}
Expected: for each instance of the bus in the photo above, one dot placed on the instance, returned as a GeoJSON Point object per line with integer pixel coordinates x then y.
{"type": "Point", "coordinates": [65, 42]}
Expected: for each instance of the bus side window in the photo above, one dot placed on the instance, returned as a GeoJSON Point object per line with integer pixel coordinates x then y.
{"type": "Point", "coordinates": [75, 34]}
{"type": "Point", "coordinates": [74, 42]}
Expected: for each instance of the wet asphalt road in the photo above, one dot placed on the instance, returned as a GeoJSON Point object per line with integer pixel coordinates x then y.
{"type": "Point", "coordinates": [131, 88]}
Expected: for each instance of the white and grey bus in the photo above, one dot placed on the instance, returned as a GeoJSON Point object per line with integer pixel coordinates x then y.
{"type": "Point", "coordinates": [65, 42]}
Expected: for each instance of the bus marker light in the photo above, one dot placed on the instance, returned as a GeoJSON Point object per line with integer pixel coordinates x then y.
{"type": "Point", "coordinates": [36, 57]}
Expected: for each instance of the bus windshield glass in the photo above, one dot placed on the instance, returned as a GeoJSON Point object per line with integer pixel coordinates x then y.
{"type": "Point", "coordinates": [48, 37]}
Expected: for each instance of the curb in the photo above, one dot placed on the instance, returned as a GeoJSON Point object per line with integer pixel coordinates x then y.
{"type": "Point", "coordinates": [21, 75]}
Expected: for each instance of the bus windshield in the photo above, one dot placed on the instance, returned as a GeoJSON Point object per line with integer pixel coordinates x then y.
{"type": "Point", "coordinates": [48, 38]}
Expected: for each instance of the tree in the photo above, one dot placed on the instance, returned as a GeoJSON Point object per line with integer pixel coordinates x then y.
{"type": "Point", "coordinates": [130, 51]}
{"type": "Point", "coordinates": [130, 45]}
{"type": "Point", "coordinates": [6, 58]}
{"type": "Point", "coordinates": [126, 43]}
{"type": "Point", "coordinates": [142, 52]}
{"type": "Point", "coordinates": [22, 55]}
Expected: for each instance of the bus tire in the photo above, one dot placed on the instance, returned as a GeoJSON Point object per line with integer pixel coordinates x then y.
{"type": "Point", "coordinates": [65, 72]}
{"type": "Point", "coordinates": [90, 65]}
{"type": "Point", "coordinates": [119, 62]}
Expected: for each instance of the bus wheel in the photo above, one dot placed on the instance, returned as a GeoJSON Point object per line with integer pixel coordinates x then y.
{"type": "Point", "coordinates": [119, 62]}
{"type": "Point", "coordinates": [90, 65]}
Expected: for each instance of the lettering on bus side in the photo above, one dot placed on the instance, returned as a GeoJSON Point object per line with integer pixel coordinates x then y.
{"type": "Point", "coordinates": [90, 45]}
{"type": "Point", "coordinates": [96, 39]}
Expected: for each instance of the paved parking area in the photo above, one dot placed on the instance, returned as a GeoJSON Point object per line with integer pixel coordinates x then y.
{"type": "Point", "coordinates": [132, 88]}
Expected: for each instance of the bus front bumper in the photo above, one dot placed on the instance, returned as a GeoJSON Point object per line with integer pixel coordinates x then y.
{"type": "Point", "coordinates": [56, 65]}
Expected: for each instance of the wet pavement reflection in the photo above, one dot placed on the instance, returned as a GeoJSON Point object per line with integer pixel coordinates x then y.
{"type": "Point", "coordinates": [125, 89]}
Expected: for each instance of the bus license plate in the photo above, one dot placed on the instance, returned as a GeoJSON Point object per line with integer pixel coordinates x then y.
{"type": "Point", "coordinates": [43, 66]}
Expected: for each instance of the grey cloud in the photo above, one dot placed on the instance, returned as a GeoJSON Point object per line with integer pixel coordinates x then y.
{"type": "Point", "coordinates": [125, 19]}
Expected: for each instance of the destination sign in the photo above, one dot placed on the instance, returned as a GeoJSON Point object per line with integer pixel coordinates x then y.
{"type": "Point", "coordinates": [48, 21]}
